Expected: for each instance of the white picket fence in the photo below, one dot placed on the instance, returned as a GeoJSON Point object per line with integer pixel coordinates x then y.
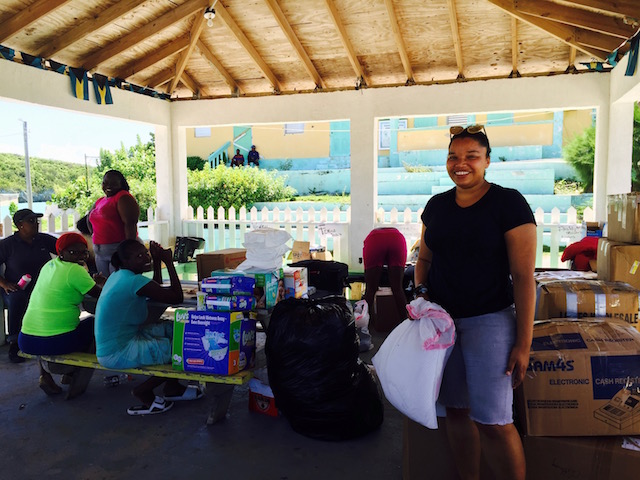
{"type": "Point", "coordinates": [326, 228]}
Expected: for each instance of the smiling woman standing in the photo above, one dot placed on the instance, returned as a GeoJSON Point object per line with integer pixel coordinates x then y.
{"type": "Point", "coordinates": [477, 258]}
{"type": "Point", "coordinates": [113, 218]}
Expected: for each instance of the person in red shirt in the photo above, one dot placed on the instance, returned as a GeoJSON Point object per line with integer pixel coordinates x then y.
{"type": "Point", "coordinates": [113, 218]}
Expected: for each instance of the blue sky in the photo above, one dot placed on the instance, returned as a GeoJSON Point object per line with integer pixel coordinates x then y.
{"type": "Point", "coordinates": [64, 135]}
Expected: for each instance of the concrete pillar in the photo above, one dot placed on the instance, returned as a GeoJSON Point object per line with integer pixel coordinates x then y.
{"type": "Point", "coordinates": [620, 147]}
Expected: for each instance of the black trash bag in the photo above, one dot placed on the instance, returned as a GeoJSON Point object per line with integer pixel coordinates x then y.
{"type": "Point", "coordinates": [318, 381]}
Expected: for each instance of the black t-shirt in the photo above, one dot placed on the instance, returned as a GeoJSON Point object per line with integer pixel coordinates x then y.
{"type": "Point", "coordinates": [469, 273]}
{"type": "Point", "coordinates": [20, 257]}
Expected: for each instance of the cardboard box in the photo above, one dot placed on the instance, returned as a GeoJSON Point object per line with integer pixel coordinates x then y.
{"type": "Point", "coordinates": [576, 383]}
{"type": "Point", "coordinates": [219, 260]}
{"type": "Point", "coordinates": [385, 316]}
{"type": "Point", "coordinates": [587, 298]}
{"type": "Point", "coordinates": [623, 217]}
{"type": "Point", "coordinates": [300, 251]}
{"type": "Point", "coordinates": [295, 282]}
{"type": "Point", "coordinates": [261, 398]}
{"type": "Point", "coordinates": [269, 288]}
{"type": "Point", "coordinates": [618, 261]}
{"type": "Point", "coordinates": [221, 343]}
{"type": "Point", "coordinates": [569, 458]}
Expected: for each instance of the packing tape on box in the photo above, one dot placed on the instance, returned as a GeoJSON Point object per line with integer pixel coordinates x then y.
{"type": "Point", "coordinates": [600, 300]}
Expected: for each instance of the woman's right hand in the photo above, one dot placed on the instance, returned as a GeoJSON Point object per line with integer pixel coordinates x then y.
{"type": "Point", "coordinates": [8, 287]}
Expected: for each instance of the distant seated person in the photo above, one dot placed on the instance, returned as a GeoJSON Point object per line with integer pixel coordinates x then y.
{"type": "Point", "coordinates": [23, 253]}
{"type": "Point", "coordinates": [238, 159]}
{"type": "Point", "coordinates": [126, 336]}
{"type": "Point", "coordinates": [253, 157]}
{"type": "Point", "coordinates": [51, 324]}
{"type": "Point", "coordinates": [581, 254]}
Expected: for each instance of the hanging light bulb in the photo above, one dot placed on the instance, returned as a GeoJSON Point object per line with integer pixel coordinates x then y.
{"type": "Point", "coordinates": [209, 14]}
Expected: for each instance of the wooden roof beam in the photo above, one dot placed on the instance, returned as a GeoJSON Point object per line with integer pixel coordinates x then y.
{"type": "Point", "coordinates": [101, 20]}
{"type": "Point", "coordinates": [190, 83]}
{"type": "Point", "coordinates": [171, 48]}
{"type": "Point", "coordinates": [393, 20]}
{"type": "Point", "coordinates": [346, 43]}
{"type": "Point", "coordinates": [592, 39]}
{"type": "Point", "coordinates": [629, 8]}
{"type": "Point", "coordinates": [160, 78]}
{"type": "Point", "coordinates": [562, 32]}
{"type": "Point", "coordinates": [246, 44]}
{"type": "Point", "coordinates": [455, 34]}
{"type": "Point", "coordinates": [514, 47]}
{"type": "Point", "coordinates": [576, 17]}
{"type": "Point", "coordinates": [572, 59]}
{"type": "Point", "coordinates": [27, 16]}
{"type": "Point", "coordinates": [144, 32]}
{"type": "Point", "coordinates": [210, 57]}
{"type": "Point", "coordinates": [196, 30]}
{"type": "Point", "coordinates": [295, 43]}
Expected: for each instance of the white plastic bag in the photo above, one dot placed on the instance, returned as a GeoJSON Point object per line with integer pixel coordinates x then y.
{"type": "Point", "coordinates": [411, 360]}
{"type": "Point", "coordinates": [265, 249]}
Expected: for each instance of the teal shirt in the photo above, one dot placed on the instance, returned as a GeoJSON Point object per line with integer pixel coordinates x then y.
{"type": "Point", "coordinates": [120, 311]}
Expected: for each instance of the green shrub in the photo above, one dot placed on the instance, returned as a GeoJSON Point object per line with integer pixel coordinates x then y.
{"type": "Point", "coordinates": [580, 153]}
{"type": "Point", "coordinates": [195, 163]}
{"type": "Point", "coordinates": [234, 187]}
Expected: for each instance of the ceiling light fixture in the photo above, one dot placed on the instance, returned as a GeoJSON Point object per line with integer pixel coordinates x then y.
{"type": "Point", "coordinates": [209, 15]}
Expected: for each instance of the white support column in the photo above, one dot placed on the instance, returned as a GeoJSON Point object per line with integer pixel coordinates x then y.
{"type": "Point", "coordinates": [620, 148]}
{"type": "Point", "coordinates": [164, 178]}
{"type": "Point", "coordinates": [180, 188]}
{"type": "Point", "coordinates": [364, 183]}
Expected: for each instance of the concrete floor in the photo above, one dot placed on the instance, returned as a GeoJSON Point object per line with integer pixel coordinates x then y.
{"type": "Point", "coordinates": [92, 437]}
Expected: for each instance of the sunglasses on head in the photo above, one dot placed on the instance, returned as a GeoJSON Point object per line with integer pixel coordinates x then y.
{"type": "Point", "coordinates": [471, 129]}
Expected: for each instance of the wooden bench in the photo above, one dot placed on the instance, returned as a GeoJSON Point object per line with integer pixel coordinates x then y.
{"type": "Point", "coordinates": [220, 387]}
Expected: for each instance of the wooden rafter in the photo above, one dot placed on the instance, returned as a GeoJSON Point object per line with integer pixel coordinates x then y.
{"type": "Point", "coordinates": [562, 32]}
{"type": "Point", "coordinates": [351, 53]}
{"type": "Point", "coordinates": [393, 20]}
{"type": "Point", "coordinates": [274, 6]}
{"type": "Point", "coordinates": [455, 34]}
{"type": "Point", "coordinates": [575, 17]}
{"type": "Point", "coordinates": [142, 33]}
{"type": "Point", "coordinates": [629, 8]}
{"type": "Point", "coordinates": [248, 46]}
{"type": "Point", "coordinates": [160, 78]}
{"type": "Point", "coordinates": [514, 46]}
{"type": "Point", "coordinates": [27, 16]}
{"type": "Point", "coordinates": [211, 58]}
{"type": "Point", "coordinates": [59, 43]}
{"type": "Point", "coordinates": [189, 82]}
{"type": "Point", "coordinates": [572, 58]}
{"type": "Point", "coordinates": [160, 54]}
{"type": "Point", "coordinates": [196, 30]}
{"type": "Point", "coordinates": [589, 38]}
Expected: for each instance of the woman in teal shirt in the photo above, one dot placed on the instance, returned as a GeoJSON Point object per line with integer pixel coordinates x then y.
{"type": "Point", "coordinates": [125, 336]}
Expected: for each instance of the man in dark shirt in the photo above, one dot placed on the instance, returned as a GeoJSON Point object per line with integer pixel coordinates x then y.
{"type": "Point", "coordinates": [238, 159]}
{"type": "Point", "coordinates": [24, 252]}
{"type": "Point", "coordinates": [253, 156]}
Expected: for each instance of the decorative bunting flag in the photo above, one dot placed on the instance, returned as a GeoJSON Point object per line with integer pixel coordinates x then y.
{"type": "Point", "coordinates": [102, 90]}
{"type": "Point", "coordinates": [79, 83]}
{"type": "Point", "coordinates": [57, 67]}
{"type": "Point", "coordinates": [7, 53]}
{"type": "Point", "coordinates": [632, 63]}
{"type": "Point", "coordinates": [31, 60]}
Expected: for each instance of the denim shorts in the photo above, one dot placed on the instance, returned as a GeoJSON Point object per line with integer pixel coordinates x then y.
{"type": "Point", "coordinates": [474, 377]}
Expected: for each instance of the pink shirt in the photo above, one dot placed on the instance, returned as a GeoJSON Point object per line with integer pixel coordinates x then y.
{"type": "Point", "coordinates": [107, 225]}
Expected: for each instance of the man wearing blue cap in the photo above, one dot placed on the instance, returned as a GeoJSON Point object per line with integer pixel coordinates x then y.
{"type": "Point", "coordinates": [23, 253]}
{"type": "Point", "coordinates": [253, 156]}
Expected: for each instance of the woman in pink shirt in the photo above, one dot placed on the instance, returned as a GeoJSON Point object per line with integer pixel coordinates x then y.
{"type": "Point", "coordinates": [113, 218]}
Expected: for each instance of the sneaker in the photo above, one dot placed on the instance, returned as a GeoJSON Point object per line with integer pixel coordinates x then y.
{"type": "Point", "coordinates": [13, 353]}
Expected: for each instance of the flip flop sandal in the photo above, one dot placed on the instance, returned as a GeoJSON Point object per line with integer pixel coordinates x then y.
{"type": "Point", "coordinates": [49, 386]}
{"type": "Point", "coordinates": [159, 405]}
{"type": "Point", "coordinates": [193, 392]}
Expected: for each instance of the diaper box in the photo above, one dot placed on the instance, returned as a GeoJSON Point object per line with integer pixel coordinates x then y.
{"type": "Point", "coordinates": [295, 282]}
{"type": "Point", "coordinates": [237, 284]}
{"type": "Point", "coordinates": [230, 303]}
{"type": "Point", "coordinates": [583, 379]}
{"type": "Point", "coordinates": [268, 285]}
{"type": "Point", "coordinates": [221, 343]}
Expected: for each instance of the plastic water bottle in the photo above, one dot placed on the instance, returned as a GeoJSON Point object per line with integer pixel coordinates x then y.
{"type": "Point", "coordinates": [24, 281]}
{"type": "Point", "coordinates": [115, 380]}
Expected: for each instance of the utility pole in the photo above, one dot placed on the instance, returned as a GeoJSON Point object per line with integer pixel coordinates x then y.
{"type": "Point", "coordinates": [86, 173]}
{"type": "Point", "coordinates": [26, 164]}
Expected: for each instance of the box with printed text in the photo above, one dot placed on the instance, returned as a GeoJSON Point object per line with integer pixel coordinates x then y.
{"type": "Point", "coordinates": [583, 379]}
{"type": "Point", "coordinates": [221, 343]}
